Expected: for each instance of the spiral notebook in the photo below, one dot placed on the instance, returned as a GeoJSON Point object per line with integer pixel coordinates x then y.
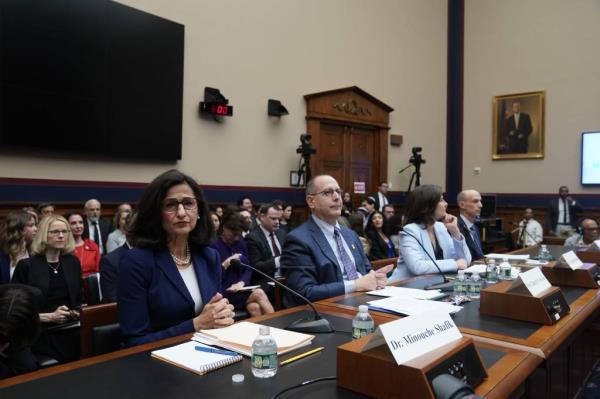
{"type": "Point", "coordinates": [186, 356]}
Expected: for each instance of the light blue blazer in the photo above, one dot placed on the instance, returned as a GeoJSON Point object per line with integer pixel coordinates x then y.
{"type": "Point", "coordinates": [416, 260]}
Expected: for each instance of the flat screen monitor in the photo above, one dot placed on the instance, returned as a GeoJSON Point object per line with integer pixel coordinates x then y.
{"type": "Point", "coordinates": [590, 157]}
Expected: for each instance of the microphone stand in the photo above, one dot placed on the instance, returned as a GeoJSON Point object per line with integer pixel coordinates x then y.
{"type": "Point", "coordinates": [316, 324]}
{"type": "Point", "coordinates": [445, 285]}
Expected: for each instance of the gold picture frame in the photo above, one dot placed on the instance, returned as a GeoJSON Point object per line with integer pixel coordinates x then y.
{"type": "Point", "coordinates": [518, 136]}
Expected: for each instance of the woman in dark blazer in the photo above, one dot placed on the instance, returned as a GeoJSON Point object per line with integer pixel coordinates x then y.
{"type": "Point", "coordinates": [57, 273]}
{"type": "Point", "coordinates": [381, 245]}
{"type": "Point", "coordinates": [170, 282]}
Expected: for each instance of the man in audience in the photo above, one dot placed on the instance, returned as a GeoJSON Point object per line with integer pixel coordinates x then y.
{"type": "Point", "coordinates": [388, 211]}
{"type": "Point", "coordinates": [264, 243]}
{"type": "Point", "coordinates": [367, 207]}
{"type": "Point", "coordinates": [561, 219]}
{"type": "Point", "coordinates": [381, 196]}
{"type": "Point", "coordinates": [96, 228]}
{"type": "Point", "coordinates": [588, 233]}
{"type": "Point", "coordinates": [247, 219]}
{"type": "Point", "coordinates": [246, 203]}
{"type": "Point", "coordinates": [469, 202]}
{"type": "Point", "coordinates": [45, 209]}
{"type": "Point", "coordinates": [530, 230]}
{"type": "Point", "coordinates": [320, 259]}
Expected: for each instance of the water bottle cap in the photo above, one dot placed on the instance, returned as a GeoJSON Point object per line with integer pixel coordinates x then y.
{"type": "Point", "coordinates": [237, 378]}
{"type": "Point", "coordinates": [461, 272]}
{"type": "Point", "coordinates": [264, 330]}
{"type": "Point", "coordinates": [363, 309]}
{"type": "Point", "coordinates": [475, 276]}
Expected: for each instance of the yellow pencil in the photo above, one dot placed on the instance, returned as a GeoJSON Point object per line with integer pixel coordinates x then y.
{"type": "Point", "coordinates": [301, 356]}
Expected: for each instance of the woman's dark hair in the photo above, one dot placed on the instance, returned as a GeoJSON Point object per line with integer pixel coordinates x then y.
{"type": "Point", "coordinates": [421, 204]}
{"type": "Point", "coordinates": [19, 318]}
{"type": "Point", "coordinates": [370, 226]}
{"type": "Point", "coordinates": [147, 230]}
{"type": "Point", "coordinates": [394, 225]}
{"type": "Point", "coordinates": [73, 212]}
{"type": "Point", "coordinates": [232, 220]}
{"type": "Point", "coordinates": [355, 220]}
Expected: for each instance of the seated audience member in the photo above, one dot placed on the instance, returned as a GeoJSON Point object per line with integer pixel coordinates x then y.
{"type": "Point", "coordinates": [264, 243]}
{"type": "Point", "coordinates": [219, 211]}
{"type": "Point", "coordinates": [530, 232]}
{"type": "Point", "coordinates": [56, 272]}
{"type": "Point", "coordinates": [393, 229]}
{"type": "Point", "coordinates": [347, 205]}
{"type": "Point", "coordinates": [368, 204]}
{"type": "Point", "coordinates": [109, 267]}
{"type": "Point", "coordinates": [33, 212]}
{"type": "Point", "coordinates": [381, 246]}
{"type": "Point", "coordinates": [96, 228]}
{"type": "Point", "coordinates": [45, 209]}
{"type": "Point", "coordinates": [247, 223]}
{"type": "Point", "coordinates": [246, 204]}
{"type": "Point", "coordinates": [388, 211]}
{"type": "Point", "coordinates": [285, 224]}
{"type": "Point", "coordinates": [124, 207]}
{"type": "Point", "coordinates": [216, 220]}
{"type": "Point", "coordinates": [85, 250]}
{"type": "Point", "coordinates": [561, 215]}
{"type": "Point", "coordinates": [230, 246]}
{"type": "Point", "coordinates": [588, 233]}
{"type": "Point", "coordinates": [355, 220]}
{"type": "Point", "coordinates": [119, 234]}
{"type": "Point", "coordinates": [442, 240]}
{"type": "Point", "coordinates": [320, 259]}
{"type": "Point", "coordinates": [169, 284]}
{"type": "Point", "coordinates": [19, 329]}
{"type": "Point", "coordinates": [469, 202]}
{"type": "Point", "coordinates": [16, 234]}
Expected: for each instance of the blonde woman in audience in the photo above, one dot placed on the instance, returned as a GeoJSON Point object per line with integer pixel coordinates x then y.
{"type": "Point", "coordinates": [16, 235]}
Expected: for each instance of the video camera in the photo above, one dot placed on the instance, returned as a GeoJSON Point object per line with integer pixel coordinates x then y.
{"type": "Point", "coordinates": [305, 148]}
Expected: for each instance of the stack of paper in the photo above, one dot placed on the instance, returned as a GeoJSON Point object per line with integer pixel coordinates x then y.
{"type": "Point", "coordinates": [239, 337]}
{"type": "Point", "coordinates": [414, 293]}
{"type": "Point", "coordinates": [476, 269]}
{"type": "Point", "coordinates": [409, 306]}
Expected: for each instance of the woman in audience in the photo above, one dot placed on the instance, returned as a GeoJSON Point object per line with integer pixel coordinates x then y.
{"type": "Point", "coordinates": [57, 274]}
{"type": "Point", "coordinates": [31, 210]}
{"type": "Point", "coordinates": [381, 245]}
{"type": "Point", "coordinates": [16, 235]}
{"type": "Point", "coordinates": [119, 235]}
{"type": "Point", "coordinates": [231, 246]}
{"type": "Point", "coordinates": [285, 223]}
{"type": "Point", "coordinates": [430, 230]}
{"type": "Point", "coordinates": [169, 284]}
{"type": "Point", "coordinates": [216, 220]}
{"type": "Point", "coordinates": [356, 222]}
{"type": "Point", "coordinates": [86, 250]}
{"type": "Point", "coordinates": [347, 205]}
{"type": "Point", "coordinates": [19, 329]}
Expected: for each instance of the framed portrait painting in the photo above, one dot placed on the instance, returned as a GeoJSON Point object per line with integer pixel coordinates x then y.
{"type": "Point", "coordinates": [518, 126]}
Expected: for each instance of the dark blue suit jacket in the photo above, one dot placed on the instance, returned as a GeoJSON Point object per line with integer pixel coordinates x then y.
{"type": "Point", "coordinates": [109, 269]}
{"type": "Point", "coordinates": [310, 266]}
{"type": "Point", "coordinates": [4, 268]}
{"type": "Point", "coordinates": [153, 301]}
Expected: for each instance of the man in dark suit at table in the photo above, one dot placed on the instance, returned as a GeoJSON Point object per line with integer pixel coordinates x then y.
{"type": "Point", "coordinates": [518, 129]}
{"type": "Point", "coordinates": [264, 243]}
{"type": "Point", "coordinates": [560, 217]}
{"type": "Point", "coordinates": [322, 259]}
{"type": "Point", "coordinates": [469, 202]}
{"type": "Point", "coordinates": [96, 228]}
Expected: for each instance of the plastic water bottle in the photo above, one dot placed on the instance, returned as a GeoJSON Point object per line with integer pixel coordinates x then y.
{"type": "Point", "coordinates": [491, 275]}
{"type": "Point", "coordinates": [460, 288]}
{"type": "Point", "coordinates": [544, 254]}
{"type": "Point", "coordinates": [264, 354]}
{"type": "Point", "coordinates": [505, 270]}
{"type": "Point", "coordinates": [362, 324]}
{"type": "Point", "coordinates": [475, 286]}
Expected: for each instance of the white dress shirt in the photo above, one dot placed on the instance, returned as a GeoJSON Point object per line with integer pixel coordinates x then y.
{"type": "Point", "coordinates": [533, 234]}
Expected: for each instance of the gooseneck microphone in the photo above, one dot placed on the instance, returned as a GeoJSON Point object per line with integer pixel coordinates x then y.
{"type": "Point", "coordinates": [445, 285]}
{"type": "Point", "coordinates": [316, 324]}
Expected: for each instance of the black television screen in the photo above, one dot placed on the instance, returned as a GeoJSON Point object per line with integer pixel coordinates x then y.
{"type": "Point", "coordinates": [488, 211]}
{"type": "Point", "coordinates": [92, 77]}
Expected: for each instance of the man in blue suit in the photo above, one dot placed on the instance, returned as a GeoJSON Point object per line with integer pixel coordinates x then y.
{"type": "Point", "coordinates": [321, 259]}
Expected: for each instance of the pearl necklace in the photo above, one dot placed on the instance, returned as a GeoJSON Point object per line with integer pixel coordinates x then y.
{"type": "Point", "coordinates": [182, 262]}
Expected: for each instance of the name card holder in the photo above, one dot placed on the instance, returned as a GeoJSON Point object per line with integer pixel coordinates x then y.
{"type": "Point", "coordinates": [587, 276]}
{"type": "Point", "coordinates": [502, 300]}
{"type": "Point", "coordinates": [375, 373]}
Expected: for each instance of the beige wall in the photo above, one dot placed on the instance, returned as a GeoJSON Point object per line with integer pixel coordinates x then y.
{"type": "Point", "coordinates": [515, 46]}
{"type": "Point", "coordinates": [255, 50]}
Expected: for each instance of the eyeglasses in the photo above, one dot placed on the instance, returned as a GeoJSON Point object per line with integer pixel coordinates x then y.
{"type": "Point", "coordinates": [329, 192]}
{"type": "Point", "coordinates": [172, 205]}
{"type": "Point", "coordinates": [57, 232]}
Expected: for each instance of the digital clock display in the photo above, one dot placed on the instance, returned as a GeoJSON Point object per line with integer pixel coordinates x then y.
{"type": "Point", "coordinates": [213, 108]}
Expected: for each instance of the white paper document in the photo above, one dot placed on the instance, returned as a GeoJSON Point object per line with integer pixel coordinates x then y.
{"type": "Point", "coordinates": [410, 306]}
{"type": "Point", "coordinates": [571, 260]}
{"type": "Point", "coordinates": [414, 293]}
{"type": "Point", "coordinates": [534, 280]}
{"type": "Point", "coordinates": [476, 269]}
{"type": "Point", "coordinates": [507, 256]}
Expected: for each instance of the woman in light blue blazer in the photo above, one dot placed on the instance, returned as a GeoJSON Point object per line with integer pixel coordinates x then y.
{"type": "Point", "coordinates": [430, 229]}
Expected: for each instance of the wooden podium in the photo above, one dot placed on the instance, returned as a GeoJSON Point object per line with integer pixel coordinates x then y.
{"type": "Point", "coordinates": [586, 276]}
{"type": "Point", "coordinates": [547, 308]}
{"type": "Point", "coordinates": [375, 373]}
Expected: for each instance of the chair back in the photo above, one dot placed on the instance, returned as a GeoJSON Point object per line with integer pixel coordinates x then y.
{"type": "Point", "coordinates": [91, 289]}
{"type": "Point", "coordinates": [100, 331]}
{"type": "Point", "coordinates": [377, 264]}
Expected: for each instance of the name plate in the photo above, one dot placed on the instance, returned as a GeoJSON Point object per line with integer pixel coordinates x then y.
{"type": "Point", "coordinates": [414, 336]}
{"type": "Point", "coordinates": [532, 282]}
{"type": "Point", "coordinates": [570, 260]}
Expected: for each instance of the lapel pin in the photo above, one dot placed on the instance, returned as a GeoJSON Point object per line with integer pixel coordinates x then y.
{"type": "Point", "coordinates": [353, 247]}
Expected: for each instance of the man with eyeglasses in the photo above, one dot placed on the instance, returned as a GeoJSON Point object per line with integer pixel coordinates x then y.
{"type": "Point", "coordinates": [96, 228]}
{"type": "Point", "coordinates": [321, 259]}
{"type": "Point", "coordinates": [588, 233]}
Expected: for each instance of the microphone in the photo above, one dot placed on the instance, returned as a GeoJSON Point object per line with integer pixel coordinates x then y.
{"type": "Point", "coordinates": [524, 231]}
{"type": "Point", "coordinates": [445, 285]}
{"type": "Point", "coordinates": [316, 324]}
{"type": "Point", "coordinates": [446, 386]}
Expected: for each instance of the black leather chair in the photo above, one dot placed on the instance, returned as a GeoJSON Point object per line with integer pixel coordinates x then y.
{"type": "Point", "coordinates": [91, 289]}
{"type": "Point", "coordinates": [100, 331]}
